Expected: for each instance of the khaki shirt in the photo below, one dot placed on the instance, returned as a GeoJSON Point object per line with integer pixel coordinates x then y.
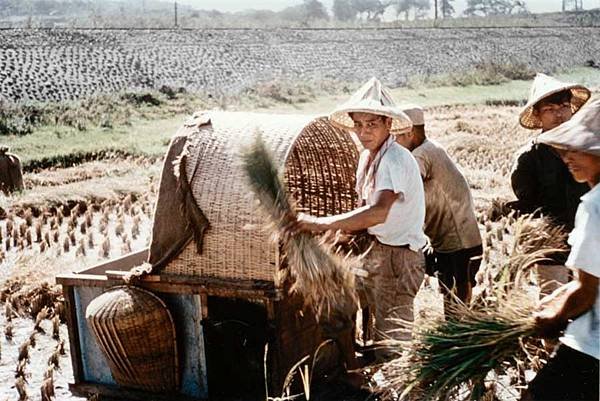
{"type": "Point", "coordinates": [450, 221]}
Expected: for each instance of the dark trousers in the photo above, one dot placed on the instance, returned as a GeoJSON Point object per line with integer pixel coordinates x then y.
{"type": "Point", "coordinates": [569, 375]}
{"type": "Point", "coordinates": [455, 270]}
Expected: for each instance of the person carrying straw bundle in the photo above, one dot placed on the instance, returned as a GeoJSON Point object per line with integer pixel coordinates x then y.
{"type": "Point", "coordinates": [540, 180]}
{"type": "Point", "coordinates": [450, 221]}
{"type": "Point", "coordinates": [392, 208]}
{"type": "Point", "coordinates": [572, 372]}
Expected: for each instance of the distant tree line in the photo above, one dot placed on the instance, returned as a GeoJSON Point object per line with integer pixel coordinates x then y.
{"type": "Point", "coordinates": [155, 13]}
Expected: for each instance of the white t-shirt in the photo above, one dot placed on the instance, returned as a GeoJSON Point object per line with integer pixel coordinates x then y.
{"type": "Point", "coordinates": [583, 334]}
{"type": "Point", "coordinates": [395, 169]}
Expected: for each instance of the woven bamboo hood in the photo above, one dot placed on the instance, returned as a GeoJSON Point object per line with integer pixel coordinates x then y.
{"type": "Point", "coordinates": [318, 163]}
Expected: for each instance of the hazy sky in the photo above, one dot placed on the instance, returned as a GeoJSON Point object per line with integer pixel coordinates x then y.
{"type": "Point", "coordinates": [238, 5]}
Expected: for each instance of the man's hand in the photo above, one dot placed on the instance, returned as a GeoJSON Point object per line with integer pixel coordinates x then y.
{"type": "Point", "coordinates": [304, 223]}
{"type": "Point", "coordinates": [548, 324]}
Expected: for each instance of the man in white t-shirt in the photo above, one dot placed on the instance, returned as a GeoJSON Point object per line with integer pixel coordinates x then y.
{"type": "Point", "coordinates": [572, 372]}
{"type": "Point", "coordinates": [392, 208]}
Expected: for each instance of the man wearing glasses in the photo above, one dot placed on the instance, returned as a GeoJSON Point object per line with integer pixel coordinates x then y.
{"type": "Point", "coordinates": [540, 180]}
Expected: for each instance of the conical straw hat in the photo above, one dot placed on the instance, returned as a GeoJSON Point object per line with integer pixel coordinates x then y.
{"type": "Point", "coordinates": [544, 86]}
{"type": "Point", "coordinates": [373, 98]}
{"type": "Point", "coordinates": [581, 133]}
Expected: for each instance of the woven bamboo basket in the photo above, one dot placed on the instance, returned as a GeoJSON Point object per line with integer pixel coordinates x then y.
{"type": "Point", "coordinates": [318, 161]}
{"type": "Point", "coordinates": [136, 333]}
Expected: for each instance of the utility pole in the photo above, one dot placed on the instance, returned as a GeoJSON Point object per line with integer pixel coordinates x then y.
{"type": "Point", "coordinates": [436, 10]}
{"type": "Point", "coordinates": [175, 14]}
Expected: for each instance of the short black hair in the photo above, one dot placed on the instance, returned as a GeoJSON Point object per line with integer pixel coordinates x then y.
{"type": "Point", "coordinates": [561, 97]}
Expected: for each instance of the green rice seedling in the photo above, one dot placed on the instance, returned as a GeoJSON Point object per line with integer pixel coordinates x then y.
{"type": "Point", "coordinates": [324, 279]}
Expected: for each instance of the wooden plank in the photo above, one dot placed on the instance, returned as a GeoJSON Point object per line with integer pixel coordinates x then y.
{"type": "Point", "coordinates": [125, 262]}
{"type": "Point", "coordinates": [183, 285]}
{"type": "Point", "coordinates": [118, 393]}
{"type": "Point", "coordinates": [204, 305]}
{"type": "Point", "coordinates": [75, 350]}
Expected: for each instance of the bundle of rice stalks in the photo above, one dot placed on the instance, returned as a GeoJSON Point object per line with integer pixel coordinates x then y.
{"type": "Point", "coordinates": [8, 331]}
{"type": "Point", "coordinates": [21, 388]}
{"type": "Point", "coordinates": [47, 389]}
{"type": "Point", "coordinates": [323, 279]}
{"type": "Point", "coordinates": [454, 356]}
{"type": "Point", "coordinates": [534, 240]}
{"type": "Point", "coordinates": [56, 328]}
{"type": "Point", "coordinates": [24, 351]}
{"type": "Point", "coordinates": [20, 370]}
{"type": "Point", "coordinates": [494, 333]}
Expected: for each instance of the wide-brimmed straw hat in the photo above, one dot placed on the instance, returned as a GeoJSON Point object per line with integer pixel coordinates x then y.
{"type": "Point", "coordinates": [580, 133]}
{"type": "Point", "coordinates": [544, 86]}
{"type": "Point", "coordinates": [372, 98]}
